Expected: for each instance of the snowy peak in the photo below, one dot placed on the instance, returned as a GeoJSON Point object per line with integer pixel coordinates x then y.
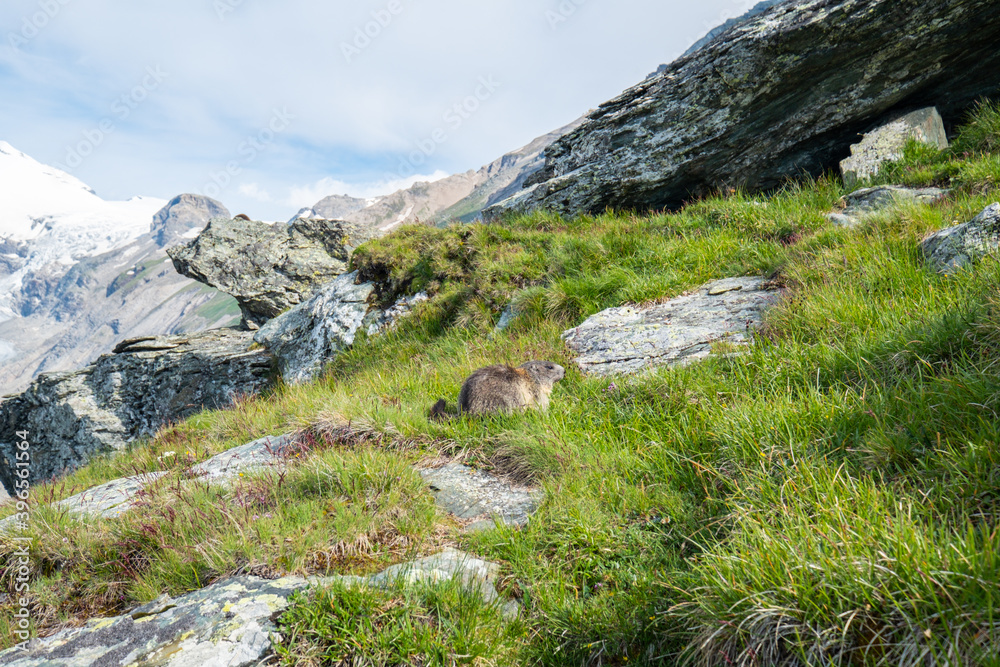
{"type": "Point", "coordinates": [49, 218]}
{"type": "Point", "coordinates": [37, 200]}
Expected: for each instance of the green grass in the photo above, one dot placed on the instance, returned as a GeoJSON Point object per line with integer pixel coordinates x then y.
{"type": "Point", "coordinates": [423, 625]}
{"type": "Point", "coordinates": [829, 498]}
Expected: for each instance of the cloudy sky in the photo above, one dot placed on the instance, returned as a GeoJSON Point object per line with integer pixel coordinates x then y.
{"type": "Point", "coordinates": [269, 105]}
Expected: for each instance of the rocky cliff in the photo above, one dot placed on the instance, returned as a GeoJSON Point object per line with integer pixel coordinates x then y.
{"type": "Point", "coordinates": [144, 384]}
{"type": "Point", "coordinates": [786, 92]}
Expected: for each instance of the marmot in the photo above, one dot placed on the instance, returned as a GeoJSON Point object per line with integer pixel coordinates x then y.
{"type": "Point", "coordinates": [243, 216]}
{"type": "Point", "coordinates": [504, 389]}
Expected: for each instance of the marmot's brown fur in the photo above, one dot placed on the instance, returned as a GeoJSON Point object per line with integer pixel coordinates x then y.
{"type": "Point", "coordinates": [243, 216]}
{"type": "Point", "coordinates": [504, 389]}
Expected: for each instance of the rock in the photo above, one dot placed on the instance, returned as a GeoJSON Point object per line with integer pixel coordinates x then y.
{"type": "Point", "coordinates": [144, 384]}
{"type": "Point", "coordinates": [184, 216]}
{"type": "Point", "coordinates": [269, 268]}
{"type": "Point", "coordinates": [230, 623]}
{"type": "Point", "coordinates": [475, 575]}
{"type": "Point", "coordinates": [310, 335]}
{"type": "Point", "coordinates": [507, 317]}
{"type": "Point", "coordinates": [473, 494]}
{"type": "Point", "coordinates": [305, 338]}
{"type": "Point", "coordinates": [251, 457]}
{"type": "Point", "coordinates": [784, 93]}
{"type": "Point", "coordinates": [862, 203]}
{"type": "Point", "coordinates": [954, 248]}
{"type": "Point", "coordinates": [630, 339]}
{"type": "Point", "coordinates": [378, 321]}
{"type": "Point", "coordinates": [717, 32]}
{"type": "Point", "coordinates": [109, 500]}
{"type": "Point", "coordinates": [886, 143]}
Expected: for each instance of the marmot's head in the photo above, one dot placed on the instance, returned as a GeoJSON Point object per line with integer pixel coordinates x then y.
{"type": "Point", "coordinates": [546, 373]}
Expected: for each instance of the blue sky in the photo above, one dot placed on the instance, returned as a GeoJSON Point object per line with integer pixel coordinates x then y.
{"type": "Point", "coordinates": [270, 105]}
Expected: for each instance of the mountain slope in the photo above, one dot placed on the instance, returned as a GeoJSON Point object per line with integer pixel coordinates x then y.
{"type": "Point", "coordinates": [457, 197]}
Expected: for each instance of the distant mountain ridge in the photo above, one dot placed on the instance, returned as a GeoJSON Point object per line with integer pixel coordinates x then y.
{"type": "Point", "coordinates": [458, 197]}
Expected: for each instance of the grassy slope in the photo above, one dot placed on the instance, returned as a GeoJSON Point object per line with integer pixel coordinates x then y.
{"type": "Point", "coordinates": [828, 498]}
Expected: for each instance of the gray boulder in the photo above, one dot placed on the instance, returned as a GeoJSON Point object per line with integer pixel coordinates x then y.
{"type": "Point", "coordinates": [862, 203]}
{"type": "Point", "coordinates": [683, 330]}
{"type": "Point", "coordinates": [311, 334]}
{"type": "Point", "coordinates": [955, 248]}
{"type": "Point", "coordinates": [786, 92]}
{"type": "Point", "coordinates": [131, 393]}
{"type": "Point", "coordinates": [230, 623]}
{"type": "Point", "coordinates": [269, 268]}
{"type": "Point", "coordinates": [251, 457]}
{"type": "Point", "coordinates": [886, 143]}
{"type": "Point", "coordinates": [183, 215]}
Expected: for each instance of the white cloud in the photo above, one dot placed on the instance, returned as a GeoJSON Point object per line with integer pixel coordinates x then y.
{"type": "Point", "coordinates": [254, 191]}
{"type": "Point", "coordinates": [354, 121]}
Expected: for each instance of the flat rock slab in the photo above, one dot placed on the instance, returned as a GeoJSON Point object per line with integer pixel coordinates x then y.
{"type": "Point", "coordinates": [630, 339]}
{"type": "Point", "coordinates": [109, 500]}
{"type": "Point", "coordinates": [473, 494]}
{"type": "Point", "coordinates": [250, 457]}
{"type": "Point", "coordinates": [227, 624]}
{"type": "Point", "coordinates": [863, 203]}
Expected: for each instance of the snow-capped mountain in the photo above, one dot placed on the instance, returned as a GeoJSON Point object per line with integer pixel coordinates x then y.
{"type": "Point", "coordinates": [79, 274]}
{"type": "Point", "coordinates": [50, 217]}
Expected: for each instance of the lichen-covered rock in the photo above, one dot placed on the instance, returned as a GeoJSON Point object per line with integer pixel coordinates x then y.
{"type": "Point", "coordinates": [269, 268]}
{"type": "Point", "coordinates": [109, 500]}
{"type": "Point", "coordinates": [862, 203]}
{"type": "Point", "coordinates": [144, 384]}
{"type": "Point", "coordinates": [630, 339]}
{"type": "Point", "coordinates": [251, 457]}
{"type": "Point", "coordinates": [786, 92]}
{"type": "Point", "coordinates": [229, 624]}
{"type": "Point", "coordinates": [378, 321]}
{"type": "Point", "coordinates": [954, 248]}
{"type": "Point", "coordinates": [311, 334]}
{"type": "Point", "coordinates": [886, 143]}
{"type": "Point", "coordinates": [473, 494]}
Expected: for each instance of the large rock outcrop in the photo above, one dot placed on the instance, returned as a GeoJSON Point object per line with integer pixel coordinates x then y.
{"type": "Point", "coordinates": [784, 93]}
{"type": "Point", "coordinates": [270, 268]}
{"type": "Point", "coordinates": [144, 384]}
{"type": "Point", "coordinates": [311, 334]}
